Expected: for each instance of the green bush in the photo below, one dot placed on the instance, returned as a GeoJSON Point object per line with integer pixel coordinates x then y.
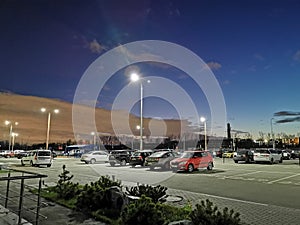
{"type": "Point", "coordinates": [65, 189]}
{"type": "Point", "coordinates": [207, 214]}
{"type": "Point", "coordinates": [143, 211]}
{"type": "Point", "coordinates": [96, 195]}
{"type": "Point", "coordinates": [157, 193]}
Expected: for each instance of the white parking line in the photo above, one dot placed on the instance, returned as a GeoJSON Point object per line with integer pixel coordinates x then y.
{"type": "Point", "coordinates": [284, 178]}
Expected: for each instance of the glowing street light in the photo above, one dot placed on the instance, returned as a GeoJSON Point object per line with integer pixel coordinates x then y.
{"type": "Point", "coordinates": [203, 120]}
{"type": "Point", "coordinates": [134, 77]}
{"type": "Point", "coordinates": [94, 139]}
{"type": "Point", "coordinates": [7, 122]}
{"type": "Point", "coordinates": [48, 123]}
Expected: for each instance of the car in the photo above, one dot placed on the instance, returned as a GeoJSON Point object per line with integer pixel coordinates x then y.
{"type": "Point", "coordinates": [94, 157]}
{"type": "Point", "coordinates": [121, 157]}
{"type": "Point", "coordinates": [285, 154]}
{"type": "Point", "coordinates": [245, 155]}
{"type": "Point", "coordinates": [21, 154]}
{"type": "Point", "coordinates": [267, 155]}
{"type": "Point", "coordinates": [295, 154]}
{"type": "Point", "coordinates": [7, 154]}
{"type": "Point", "coordinates": [160, 159]}
{"type": "Point", "coordinates": [139, 157]}
{"type": "Point", "coordinates": [228, 154]}
{"type": "Point", "coordinates": [192, 160]}
{"type": "Point", "coordinates": [37, 158]}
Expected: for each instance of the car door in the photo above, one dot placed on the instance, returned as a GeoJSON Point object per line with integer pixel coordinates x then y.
{"type": "Point", "coordinates": [100, 156]}
{"type": "Point", "coordinates": [197, 160]}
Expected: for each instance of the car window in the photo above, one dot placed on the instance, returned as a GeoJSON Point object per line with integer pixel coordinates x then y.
{"type": "Point", "coordinates": [44, 153]}
{"type": "Point", "coordinates": [198, 154]}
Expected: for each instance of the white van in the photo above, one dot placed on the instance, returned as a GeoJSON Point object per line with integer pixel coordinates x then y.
{"type": "Point", "coordinates": [37, 158]}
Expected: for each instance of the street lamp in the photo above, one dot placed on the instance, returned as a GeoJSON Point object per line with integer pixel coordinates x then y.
{"type": "Point", "coordinates": [94, 139]}
{"type": "Point", "coordinates": [272, 133]}
{"type": "Point", "coordinates": [203, 120]}
{"type": "Point", "coordinates": [134, 77]}
{"type": "Point", "coordinates": [48, 123]}
{"type": "Point", "coordinates": [13, 140]}
{"type": "Point", "coordinates": [7, 122]}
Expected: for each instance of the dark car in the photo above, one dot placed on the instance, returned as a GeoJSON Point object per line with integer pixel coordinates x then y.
{"type": "Point", "coordinates": [21, 154]}
{"type": "Point", "coordinates": [121, 157]}
{"type": "Point", "coordinates": [139, 157]}
{"type": "Point", "coordinates": [160, 159]}
{"type": "Point", "coordinates": [245, 155]}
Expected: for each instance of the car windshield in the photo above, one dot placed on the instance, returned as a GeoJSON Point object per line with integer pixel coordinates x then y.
{"type": "Point", "coordinates": [263, 151]}
{"type": "Point", "coordinates": [187, 155]}
{"type": "Point", "coordinates": [44, 153]}
{"type": "Point", "coordinates": [158, 154]}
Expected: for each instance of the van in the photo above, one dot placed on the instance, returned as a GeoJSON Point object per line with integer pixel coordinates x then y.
{"type": "Point", "coordinates": [37, 158]}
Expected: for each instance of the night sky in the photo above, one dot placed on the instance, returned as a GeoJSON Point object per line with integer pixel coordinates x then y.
{"type": "Point", "coordinates": [252, 47]}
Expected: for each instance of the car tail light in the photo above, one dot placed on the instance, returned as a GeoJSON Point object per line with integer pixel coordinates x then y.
{"type": "Point", "coordinates": [140, 157]}
{"type": "Point", "coordinates": [35, 158]}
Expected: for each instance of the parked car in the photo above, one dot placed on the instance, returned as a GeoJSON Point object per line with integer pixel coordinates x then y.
{"type": "Point", "coordinates": [285, 154]}
{"type": "Point", "coordinates": [21, 154]}
{"type": "Point", "coordinates": [267, 155]}
{"type": "Point", "coordinates": [121, 157]}
{"type": "Point", "coordinates": [192, 160]}
{"type": "Point", "coordinates": [139, 157]}
{"type": "Point", "coordinates": [160, 159]}
{"type": "Point", "coordinates": [245, 155]}
{"type": "Point", "coordinates": [7, 154]}
{"type": "Point", "coordinates": [295, 154]}
{"type": "Point", "coordinates": [94, 157]}
{"type": "Point", "coordinates": [37, 158]}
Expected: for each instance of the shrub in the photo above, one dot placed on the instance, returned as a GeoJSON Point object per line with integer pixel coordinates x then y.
{"type": "Point", "coordinates": [207, 214]}
{"type": "Point", "coordinates": [157, 193]}
{"type": "Point", "coordinates": [143, 211]}
{"type": "Point", "coordinates": [65, 189]}
{"type": "Point", "coordinates": [97, 195]}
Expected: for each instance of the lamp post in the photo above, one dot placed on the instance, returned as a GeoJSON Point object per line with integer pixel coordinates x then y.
{"type": "Point", "coordinates": [272, 133]}
{"type": "Point", "coordinates": [94, 139]}
{"type": "Point", "coordinates": [48, 123]}
{"type": "Point", "coordinates": [7, 122]}
{"type": "Point", "coordinates": [134, 78]}
{"type": "Point", "coordinates": [13, 140]}
{"type": "Point", "coordinates": [203, 120]}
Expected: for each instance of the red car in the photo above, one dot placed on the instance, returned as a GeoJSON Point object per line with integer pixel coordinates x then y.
{"type": "Point", "coordinates": [192, 160]}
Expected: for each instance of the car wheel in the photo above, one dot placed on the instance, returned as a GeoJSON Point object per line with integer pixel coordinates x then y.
{"type": "Point", "coordinates": [210, 166]}
{"type": "Point", "coordinates": [49, 165]}
{"type": "Point", "coordinates": [236, 161]}
{"type": "Point", "coordinates": [112, 164]}
{"type": "Point", "coordinates": [132, 166]}
{"type": "Point", "coordinates": [92, 161]}
{"type": "Point", "coordinates": [31, 163]}
{"type": "Point", "coordinates": [272, 161]}
{"type": "Point", "coordinates": [151, 168]}
{"type": "Point", "coordinates": [280, 161]}
{"type": "Point", "coordinates": [190, 168]}
{"type": "Point", "coordinates": [22, 163]}
{"type": "Point", "coordinates": [123, 162]}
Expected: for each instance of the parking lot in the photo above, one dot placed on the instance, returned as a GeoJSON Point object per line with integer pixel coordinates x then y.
{"type": "Point", "coordinates": [254, 190]}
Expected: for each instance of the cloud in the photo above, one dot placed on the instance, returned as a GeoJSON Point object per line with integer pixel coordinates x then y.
{"type": "Point", "coordinates": [214, 65]}
{"type": "Point", "coordinates": [296, 56]}
{"type": "Point", "coordinates": [95, 47]}
{"type": "Point", "coordinates": [259, 57]}
{"type": "Point", "coordinates": [289, 120]}
{"type": "Point", "coordinates": [239, 132]}
{"type": "Point", "coordinates": [286, 113]}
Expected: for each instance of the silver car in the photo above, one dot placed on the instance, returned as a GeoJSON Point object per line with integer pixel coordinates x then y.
{"type": "Point", "coordinates": [94, 157]}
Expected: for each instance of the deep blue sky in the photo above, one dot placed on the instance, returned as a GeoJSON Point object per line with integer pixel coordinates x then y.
{"type": "Point", "coordinates": [253, 48]}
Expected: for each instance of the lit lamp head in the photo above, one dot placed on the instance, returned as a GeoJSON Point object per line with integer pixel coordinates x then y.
{"type": "Point", "coordinates": [202, 119]}
{"type": "Point", "coordinates": [134, 77]}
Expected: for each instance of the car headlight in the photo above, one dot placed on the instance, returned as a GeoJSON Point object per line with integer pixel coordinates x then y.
{"type": "Point", "coordinates": [182, 163]}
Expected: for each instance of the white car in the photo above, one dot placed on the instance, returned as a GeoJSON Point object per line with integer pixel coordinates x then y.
{"type": "Point", "coordinates": [267, 155]}
{"type": "Point", "coordinates": [37, 158]}
{"type": "Point", "coordinates": [94, 157]}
